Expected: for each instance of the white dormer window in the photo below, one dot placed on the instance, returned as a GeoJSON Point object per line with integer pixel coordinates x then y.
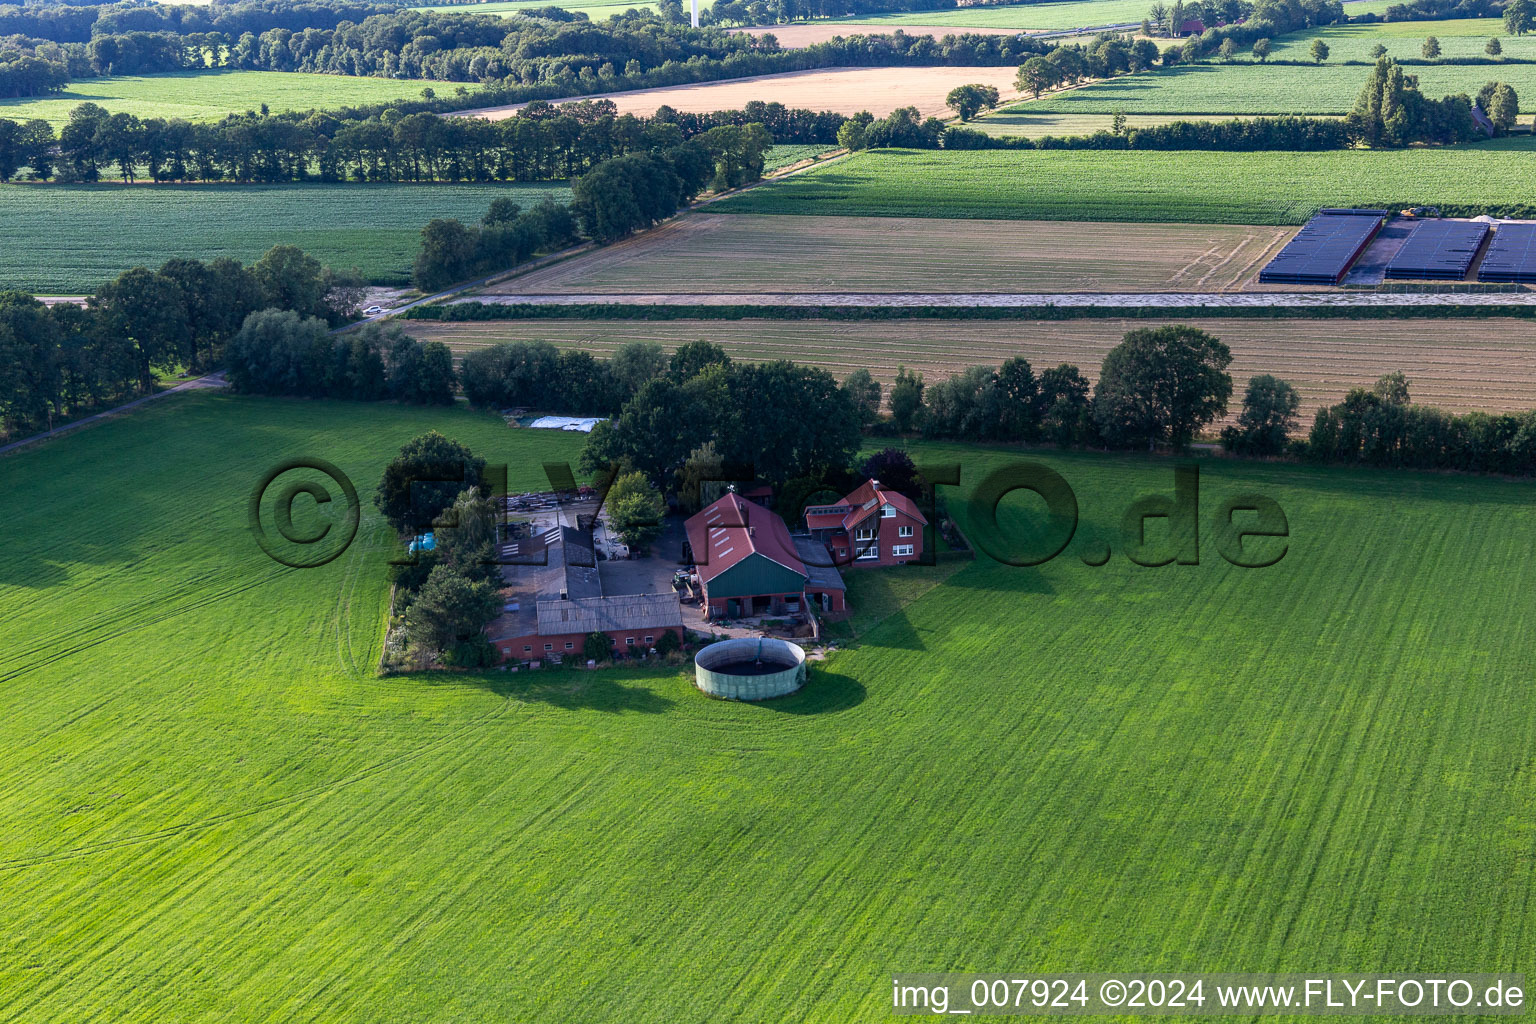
{"type": "Point", "coordinates": [887, 512]}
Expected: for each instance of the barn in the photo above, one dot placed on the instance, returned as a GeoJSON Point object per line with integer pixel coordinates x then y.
{"type": "Point", "coordinates": [748, 564]}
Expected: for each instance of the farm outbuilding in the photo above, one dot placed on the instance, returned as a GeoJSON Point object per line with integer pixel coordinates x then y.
{"type": "Point", "coordinates": [748, 564]}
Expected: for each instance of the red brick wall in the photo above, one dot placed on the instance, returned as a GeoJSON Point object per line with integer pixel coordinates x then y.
{"type": "Point", "coordinates": [512, 649]}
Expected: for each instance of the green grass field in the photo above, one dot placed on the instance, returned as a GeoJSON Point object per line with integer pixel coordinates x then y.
{"type": "Point", "coordinates": [597, 10]}
{"type": "Point", "coordinates": [211, 810]}
{"type": "Point", "coordinates": [1247, 89]}
{"type": "Point", "coordinates": [209, 95]}
{"type": "Point", "coordinates": [1462, 37]}
{"type": "Point", "coordinates": [1194, 187]}
{"type": "Point", "coordinates": [87, 234]}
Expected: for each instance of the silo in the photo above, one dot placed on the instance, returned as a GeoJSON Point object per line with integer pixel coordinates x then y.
{"type": "Point", "coordinates": [749, 669]}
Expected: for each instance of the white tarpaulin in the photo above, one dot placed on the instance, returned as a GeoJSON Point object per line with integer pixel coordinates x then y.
{"type": "Point", "coordinates": [578, 423]}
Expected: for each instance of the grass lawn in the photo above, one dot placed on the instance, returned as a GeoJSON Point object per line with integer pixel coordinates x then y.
{"type": "Point", "coordinates": [1247, 89]}
{"type": "Point", "coordinates": [1196, 187]}
{"type": "Point", "coordinates": [210, 809]}
{"type": "Point", "coordinates": [86, 234]}
{"type": "Point", "coordinates": [209, 95]}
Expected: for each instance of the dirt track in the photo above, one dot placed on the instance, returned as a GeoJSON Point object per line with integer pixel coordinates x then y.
{"type": "Point", "coordinates": [844, 90]}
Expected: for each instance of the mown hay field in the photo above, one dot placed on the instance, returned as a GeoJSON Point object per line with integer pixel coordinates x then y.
{"type": "Point", "coordinates": [209, 95]}
{"type": "Point", "coordinates": [1251, 89]}
{"type": "Point", "coordinates": [86, 234]}
{"type": "Point", "coordinates": [844, 90]}
{"type": "Point", "coordinates": [1182, 187]}
{"type": "Point", "coordinates": [211, 809]}
{"type": "Point", "coordinates": [1463, 365]}
{"type": "Point", "coordinates": [706, 253]}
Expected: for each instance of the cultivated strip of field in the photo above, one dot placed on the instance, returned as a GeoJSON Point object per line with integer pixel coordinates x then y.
{"type": "Point", "coordinates": [209, 95]}
{"type": "Point", "coordinates": [1026, 120]}
{"type": "Point", "coordinates": [844, 90]}
{"type": "Point", "coordinates": [709, 254]}
{"type": "Point", "coordinates": [87, 234]}
{"type": "Point", "coordinates": [1463, 365]}
{"type": "Point", "coordinates": [809, 33]}
{"type": "Point", "coordinates": [1186, 186]}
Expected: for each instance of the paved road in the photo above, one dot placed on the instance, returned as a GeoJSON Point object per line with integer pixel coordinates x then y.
{"type": "Point", "coordinates": [1158, 300]}
{"type": "Point", "coordinates": [212, 380]}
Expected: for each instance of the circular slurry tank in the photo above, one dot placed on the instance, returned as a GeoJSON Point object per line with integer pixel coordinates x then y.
{"type": "Point", "coordinates": [749, 669]}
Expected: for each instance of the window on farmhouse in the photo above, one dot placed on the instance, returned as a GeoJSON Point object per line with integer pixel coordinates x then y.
{"type": "Point", "coordinates": [904, 531]}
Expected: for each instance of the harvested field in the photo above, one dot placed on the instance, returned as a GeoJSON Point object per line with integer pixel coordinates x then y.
{"type": "Point", "coordinates": [712, 253]}
{"type": "Point", "coordinates": [1461, 365]}
{"type": "Point", "coordinates": [792, 37]}
{"type": "Point", "coordinates": [844, 90]}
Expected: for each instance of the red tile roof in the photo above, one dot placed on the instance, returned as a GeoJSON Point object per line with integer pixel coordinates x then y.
{"type": "Point", "coordinates": [858, 506]}
{"type": "Point", "coordinates": [733, 529]}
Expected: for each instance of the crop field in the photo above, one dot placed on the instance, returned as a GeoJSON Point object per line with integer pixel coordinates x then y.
{"type": "Point", "coordinates": [211, 809]}
{"type": "Point", "coordinates": [780, 157]}
{"type": "Point", "coordinates": [1172, 187]}
{"type": "Point", "coordinates": [1463, 365]}
{"type": "Point", "coordinates": [845, 90]}
{"type": "Point", "coordinates": [1459, 38]}
{"type": "Point", "coordinates": [93, 232]}
{"type": "Point", "coordinates": [597, 10]}
{"type": "Point", "coordinates": [705, 254]}
{"type": "Point", "coordinates": [1248, 89]}
{"type": "Point", "coordinates": [209, 95]}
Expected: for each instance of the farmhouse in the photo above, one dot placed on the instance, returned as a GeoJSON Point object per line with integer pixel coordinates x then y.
{"type": "Point", "coordinates": [748, 564]}
{"type": "Point", "coordinates": [870, 526]}
{"type": "Point", "coordinates": [554, 598]}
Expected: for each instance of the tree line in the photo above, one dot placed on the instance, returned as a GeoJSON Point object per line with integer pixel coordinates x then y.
{"type": "Point", "coordinates": [541, 143]}
{"type": "Point", "coordinates": [1380, 426]}
{"type": "Point", "coordinates": [65, 360]}
{"type": "Point", "coordinates": [542, 54]}
{"type": "Point", "coordinates": [612, 201]}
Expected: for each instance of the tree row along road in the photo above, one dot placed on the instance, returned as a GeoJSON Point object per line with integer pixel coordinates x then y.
{"type": "Point", "coordinates": [1023, 299]}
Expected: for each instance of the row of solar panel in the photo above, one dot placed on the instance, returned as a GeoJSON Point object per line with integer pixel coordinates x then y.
{"type": "Point", "coordinates": [1511, 255]}
{"type": "Point", "coordinates": [1437, 250]}
{"type": "Point", "coordinates": [1325, 247]}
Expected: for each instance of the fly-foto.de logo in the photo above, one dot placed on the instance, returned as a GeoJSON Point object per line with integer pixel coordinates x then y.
{"type": "Point", "coordinates": [1247, 530]}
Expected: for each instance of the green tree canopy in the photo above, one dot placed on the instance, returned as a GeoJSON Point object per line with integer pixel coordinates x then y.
{"type": "Point", "coordinates": [1161, 385]}
{"type": "Point", "coordinates": [424, 479]}
{"type": "Point", "coordinates": [1267, 419]}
